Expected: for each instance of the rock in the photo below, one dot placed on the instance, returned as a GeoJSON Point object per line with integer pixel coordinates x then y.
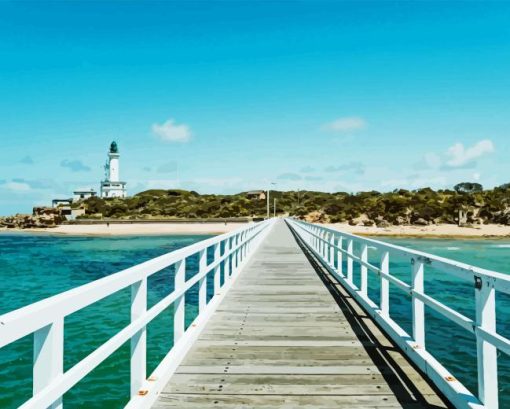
{"type": "Point", "coordinates": [400, 220]}
{"type": "Point", "coordinates": [316, 217]}
{"type": "Point", "coordinates": [383, 223]}
{"type": "Point", "coordinates": [42, 217]}
{"type": "Point", "coordinates": [360, 221]}
{"type": "Point", "coordinates": [501, 216]}
{"type": "Point", "coordinates": [421, 222]}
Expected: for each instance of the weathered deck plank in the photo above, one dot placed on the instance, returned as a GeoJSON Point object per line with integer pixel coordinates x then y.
{"type": "Point", "coordinates": [281, 339]}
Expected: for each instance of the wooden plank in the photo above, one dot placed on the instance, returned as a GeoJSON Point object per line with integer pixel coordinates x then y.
{"type": "Point", "coordinates": [270, 367]}
{"type": "Point", "coordinates": [290, 384]}
{"type": "Point", "coordinates": [222, 400]}
{"type": "Point", "coordinates": [279, 339]}
{"type": "Point", "coordinates": [290, 353]}
{"type": "Point", "coordinates": [284, 343]}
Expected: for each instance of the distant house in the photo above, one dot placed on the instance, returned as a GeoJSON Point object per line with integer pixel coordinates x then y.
{"type": "Point", "coordinates": [256, 195]}
{"type": "Point", "coordinates": [64, 205]}
{"type": "Point", "coordinates": [61, 202]}
{"type": "Point", "coordinates": [83, 194]}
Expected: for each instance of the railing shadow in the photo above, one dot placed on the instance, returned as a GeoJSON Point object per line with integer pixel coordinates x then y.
{"type": "Point", "coordinates": [403, 387]}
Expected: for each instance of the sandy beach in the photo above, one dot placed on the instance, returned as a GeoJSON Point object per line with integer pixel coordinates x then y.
{"type": "Point", "coordinates": [145, 229]}
{"type": "Point", "coordinates": [439, 230]}
{"type": "Point", "coordinates": [136, 229]}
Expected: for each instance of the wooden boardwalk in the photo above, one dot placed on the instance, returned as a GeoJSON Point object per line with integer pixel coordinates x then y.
{"type": "Point", "coordinates": [287, 336]}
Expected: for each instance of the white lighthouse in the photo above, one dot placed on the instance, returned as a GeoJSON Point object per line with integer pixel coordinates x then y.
{"type": "Point", "coordinates": [111, 186]}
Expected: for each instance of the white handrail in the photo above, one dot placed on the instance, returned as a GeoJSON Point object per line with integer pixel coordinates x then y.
{"type": "Point", "coordinates": [485, 282]}
{"type": "Point", "coordinates": [45, 318]}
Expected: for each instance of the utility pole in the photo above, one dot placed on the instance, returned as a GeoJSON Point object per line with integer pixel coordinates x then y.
{"type": "Point", "coordinates": [274, 207]}
{"type": "Point", "coordinates": [268, 189]}
{"type": "Point", "coordinates": [267, 203]}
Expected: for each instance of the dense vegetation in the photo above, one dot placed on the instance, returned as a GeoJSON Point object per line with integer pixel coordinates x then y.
{"type": "Point", "coordinates": [467, 201]}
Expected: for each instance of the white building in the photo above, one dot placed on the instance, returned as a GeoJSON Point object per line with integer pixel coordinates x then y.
{"type": "Point", "coordinates": [83, 194]}
{"type": "Point", "coordinates": [111, 186]}
{"type": "Point", "coordinates": [61, 202]}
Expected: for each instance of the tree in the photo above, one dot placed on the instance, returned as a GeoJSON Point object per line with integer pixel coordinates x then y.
{"type": "Point", "coordinates": [468, 187]}
{"type": "Point", "coordinates": [504, 186]}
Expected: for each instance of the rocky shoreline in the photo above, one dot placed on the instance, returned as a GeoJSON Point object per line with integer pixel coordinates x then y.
{"type": "Point", "coordinates": [42, 217]}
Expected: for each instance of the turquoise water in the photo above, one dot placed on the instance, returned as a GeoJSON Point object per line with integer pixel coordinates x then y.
{"type": "Point", "coordinates": [33, 267]}
{"type": "Point", "coordinates": [454, 347]}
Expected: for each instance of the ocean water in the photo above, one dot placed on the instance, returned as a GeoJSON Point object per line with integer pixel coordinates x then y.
{"type": "Point", "coordinates": [454, 347]}
{"type": "Point", "coordinates": [33, 267]}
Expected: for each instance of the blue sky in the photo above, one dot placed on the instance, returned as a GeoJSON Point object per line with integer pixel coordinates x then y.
{"type": "Point", "coordinates": [229, 96]}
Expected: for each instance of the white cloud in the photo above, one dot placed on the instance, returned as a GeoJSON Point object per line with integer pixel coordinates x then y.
{"type": "Point", "coordinates": [16, 186]}
{"type": "Point", "coordinates": [456, 157]}
{"type": "Point", "coordinates": [346, 124]}
{"type": "Point", "coordinates": [460, 156]}
{"type": "Point", "coordinates": [169, 131]}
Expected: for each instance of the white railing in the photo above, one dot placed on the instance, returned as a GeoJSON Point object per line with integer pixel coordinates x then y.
{"type": "Point", "coordinates": [331, 246]}
{"type": "Point", "coordinates": [45, 319]}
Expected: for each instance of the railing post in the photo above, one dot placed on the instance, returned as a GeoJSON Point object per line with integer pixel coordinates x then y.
{"type": "Point", "coordinates": [324, 247]}
{"type": "Point", "coordinates": [241, 247]}
{"type": "Point", "coordinates": [226, 266]}
{"type": "Point", "coordinates": [139, 340]}
{"type": "Point", "coordinates": [332, 250]}
{"type": "Point", "coordinates": [324, 236]}
{"type": "Point", "coordinates": [244, 248]}
{"type": "Point", "coordinates": [385, 285]}
{"type": "Point", "coordinates": [48, 357]}
{"type": "Point", "coordinates": [202, 283]}
{"type": "Point", "coordinates": [364, 270]}
{"type": "Point", "coordinates": [339, 257]}
{"type": "Point", "coordinates": [217, 269]}
{"type": "Point", "coordinates": [487, 358]}
{"type": "Point", "coordinates": [417, 304]}
{"type": "Point", "coordinates": [236, 254]}
{"type": "Point", "coordinates": [350, 246]}
{"type": "Point", "coordinates": [180, 278]}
